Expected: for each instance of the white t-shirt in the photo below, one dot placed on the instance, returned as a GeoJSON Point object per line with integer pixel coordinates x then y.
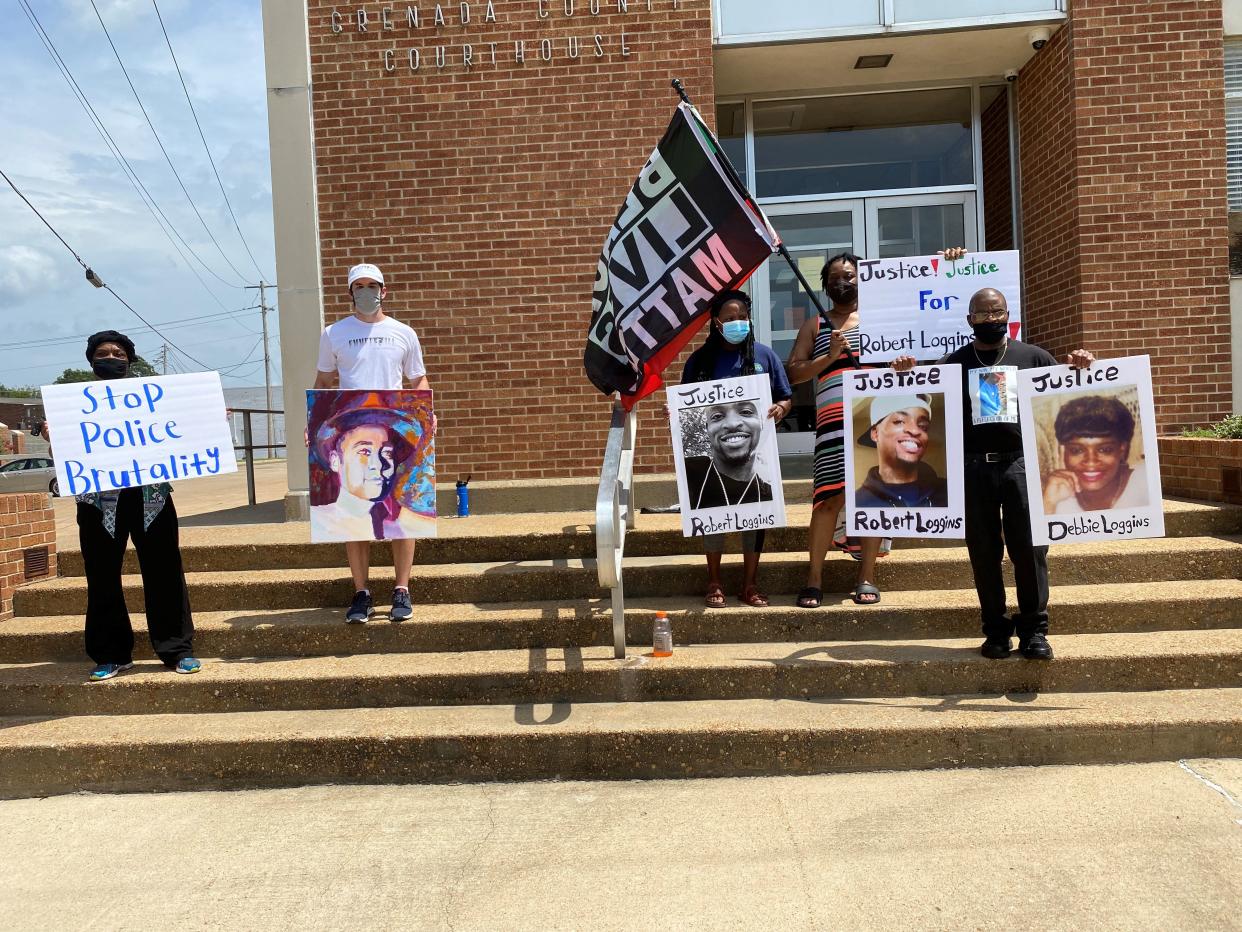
{"type": "Point", "coordinates": [371, 356]}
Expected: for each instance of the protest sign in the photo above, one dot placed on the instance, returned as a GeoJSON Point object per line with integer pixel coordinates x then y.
{"type": "Point", "coordinates": [1089, 440]}
{"type": "Point", "coordinates": [918, 306]}
{"type": "Point", "coordinates": [724, 445]}
{"type": "Point", "coordinates": [123, 433]}
{"type": "Point", "coordinates": [687, 231]}
{"type": "Point", "coordinates": [372, 465]}
{"type": "Point", "coordinates": [903, 464]}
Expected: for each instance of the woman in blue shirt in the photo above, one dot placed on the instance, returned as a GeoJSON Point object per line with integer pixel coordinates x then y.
{"type": "Point", "coordinates": [730, 351]}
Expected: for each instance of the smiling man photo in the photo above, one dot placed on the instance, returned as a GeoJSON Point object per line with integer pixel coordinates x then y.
{"type": "Point", "coordinates": [900, 431]}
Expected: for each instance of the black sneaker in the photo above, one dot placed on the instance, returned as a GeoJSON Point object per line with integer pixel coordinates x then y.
{"type": "Point", "coordinates": [401, 608]}
{"type": "Point", "coordinates": [1036, 647]}
{"type": "Point", "coordinates": [360, 609]}
{"type": "Point", "coordinates": [995, 648]}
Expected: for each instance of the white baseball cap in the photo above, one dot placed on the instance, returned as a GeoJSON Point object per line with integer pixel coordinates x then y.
{"type": "Point", "coordinates": [365, 270]}
{"type": "Point", "coordinates": [884, 405]}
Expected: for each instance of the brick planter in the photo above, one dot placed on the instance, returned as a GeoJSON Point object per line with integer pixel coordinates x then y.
{"type": "Point", "coordinates": [1201, 467]}
{"type": "Point", "coordinates": [27, 543]}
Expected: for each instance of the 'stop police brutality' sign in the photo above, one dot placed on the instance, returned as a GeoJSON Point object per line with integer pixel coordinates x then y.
{"type": "Point", "coordinates": [131, 432]}
{"type": "Point", "coordinates": [918, 306]}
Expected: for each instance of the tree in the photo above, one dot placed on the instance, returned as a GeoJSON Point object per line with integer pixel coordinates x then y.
{"type": "Point", "coordinates": [27, 392]}
{"type": "Point", "coordinates": [138, 368]}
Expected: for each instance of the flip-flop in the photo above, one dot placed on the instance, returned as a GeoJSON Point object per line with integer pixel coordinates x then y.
{"type": "Point", "coordinates": [715, 597]}
{"type": "Point", "coordinates": [810, 597]}
{"type": "Point", "coordinates": [753, 597]}
{"type": "Point", "coordinates": [865, 589]}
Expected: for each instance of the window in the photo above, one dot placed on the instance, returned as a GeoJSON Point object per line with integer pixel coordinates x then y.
{"type": "Point", "coordinates": [1233, 150]}
{"type": "Point", "coordinates": [863, 142]}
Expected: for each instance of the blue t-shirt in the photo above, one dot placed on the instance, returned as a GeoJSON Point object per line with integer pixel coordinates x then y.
{"type": "Point", "coordinates": [729, 366]}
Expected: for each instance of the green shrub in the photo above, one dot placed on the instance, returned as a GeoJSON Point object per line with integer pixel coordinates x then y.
{"type": "Point", "coordinates": [1228, 429]}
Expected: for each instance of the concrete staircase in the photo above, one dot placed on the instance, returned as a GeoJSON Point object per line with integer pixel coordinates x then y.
{"type": "Point", "coordinates": [502, 673]}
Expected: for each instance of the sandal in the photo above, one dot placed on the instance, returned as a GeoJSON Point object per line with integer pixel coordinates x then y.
{"type": "Point", "coordinates": [753, 597]}
{"type": "Point", "coordinates": [863, 589]}
{"type": "Point", "coordinates": [810, 597]}
{"type": "Point", "coordinates": [715, 597]}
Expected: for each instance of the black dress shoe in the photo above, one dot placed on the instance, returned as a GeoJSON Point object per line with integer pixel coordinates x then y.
{"type": "Point", "coordinates": [995, 648]}
{"type": "Point", "coordinates": [1036, 647]}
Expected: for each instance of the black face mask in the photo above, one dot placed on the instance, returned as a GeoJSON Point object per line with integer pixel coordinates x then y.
{"type": "Point", "coordinates": [991, 332]}
{"type": "Point", "coordinates": [842, 292]}
{"type": "Point", "coordinates": [110, 367]}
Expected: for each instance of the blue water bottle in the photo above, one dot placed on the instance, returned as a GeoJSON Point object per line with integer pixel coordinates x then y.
{"type": "Point", "coordinates": [463, 498]}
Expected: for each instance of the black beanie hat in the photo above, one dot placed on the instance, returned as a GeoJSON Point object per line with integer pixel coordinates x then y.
{"type": "Point", "coordinates": [109, 336]}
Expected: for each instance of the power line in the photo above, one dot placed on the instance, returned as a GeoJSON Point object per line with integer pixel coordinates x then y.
{"type": "Point", "coordinates": [131, 175]}
{"type": "Point", "coordinates": [180, 322]}
{"type": "Point", "coordinates": [160, 143]}
{"type": "Point", "coordinates": [92, 277]}
{"type": "Point", "coordinates": [201, 136]}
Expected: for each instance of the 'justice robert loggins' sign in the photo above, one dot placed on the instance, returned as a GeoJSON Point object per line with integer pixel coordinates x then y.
{"type": "Point", "coordinates": [123, 433]}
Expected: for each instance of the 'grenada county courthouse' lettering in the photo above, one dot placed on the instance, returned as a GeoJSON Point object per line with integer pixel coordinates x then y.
{"type": "Point", "coordinates": [132, 433]}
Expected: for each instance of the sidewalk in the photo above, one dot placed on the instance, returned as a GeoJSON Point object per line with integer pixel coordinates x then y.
{"type": "Point", "coordinates": [1124, 847]}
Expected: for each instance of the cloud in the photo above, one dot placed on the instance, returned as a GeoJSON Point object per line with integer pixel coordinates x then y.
{"type": "Point", "coordinates": [26, 271]}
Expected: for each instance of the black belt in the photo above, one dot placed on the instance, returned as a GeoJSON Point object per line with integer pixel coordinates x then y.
{"type": "Point", "coordinates": [994, 457]}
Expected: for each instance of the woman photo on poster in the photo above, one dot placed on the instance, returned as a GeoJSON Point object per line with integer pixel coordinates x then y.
{"type": "Point", "coordinates": [1094, 435]}
{"type": "Point", "coordinates": [728, 475]}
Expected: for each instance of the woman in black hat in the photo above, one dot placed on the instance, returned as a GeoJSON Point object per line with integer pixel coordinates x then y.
{"type": "Point", "coordinates": [105, 521]}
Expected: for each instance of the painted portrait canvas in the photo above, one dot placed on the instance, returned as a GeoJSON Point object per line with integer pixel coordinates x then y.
{"type": "Point", "coordinates": [372, 465]}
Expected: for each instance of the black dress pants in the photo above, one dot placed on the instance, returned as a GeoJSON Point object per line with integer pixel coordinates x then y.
{"type": "Point", "coordinates": [998, 519]}
{"type": "Point", "coordinates": [109, 636]}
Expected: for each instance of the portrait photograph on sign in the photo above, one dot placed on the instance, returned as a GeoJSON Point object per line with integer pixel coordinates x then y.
{"type": "Point", "coordinates": [123, 433]}
{"type": "Point", "coordinates": [372, 465]}
{"type": "Point", "coordinates": [724, 446]}
{"type": "Point", "coordinates": [918, 305]}
{"type": "Point", "coordinates": [903, 464]}
{"type": "Point", "coordinates": [1089, 438]}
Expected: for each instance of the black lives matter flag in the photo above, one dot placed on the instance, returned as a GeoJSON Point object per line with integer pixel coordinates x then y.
{"type": "Point", "coordinates": [688, 230]}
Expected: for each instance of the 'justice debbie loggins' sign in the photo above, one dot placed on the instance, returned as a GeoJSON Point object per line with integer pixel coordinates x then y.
{"type": "Point", "coordinates": [918, 306]}
{"type": "Point", "coordinates": [122, 433]}
{"type": "Point", "coordinates": [1089, 441]}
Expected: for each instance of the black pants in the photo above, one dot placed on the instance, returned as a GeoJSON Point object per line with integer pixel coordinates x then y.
{"type": "Point", "coordinates": [109, 637]}
{"type": "Point", "coordinates": [998, 519]}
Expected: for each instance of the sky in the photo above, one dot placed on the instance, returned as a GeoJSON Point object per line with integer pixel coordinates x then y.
{"type": "Point", "coordinates": [51, 151]}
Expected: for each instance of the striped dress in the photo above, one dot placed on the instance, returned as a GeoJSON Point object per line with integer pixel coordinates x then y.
{"type": "Point", "coordinates": [830, 435]}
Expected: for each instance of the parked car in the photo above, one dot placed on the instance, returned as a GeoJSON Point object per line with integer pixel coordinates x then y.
{"type": "Point", "coordinates": [29, 474]}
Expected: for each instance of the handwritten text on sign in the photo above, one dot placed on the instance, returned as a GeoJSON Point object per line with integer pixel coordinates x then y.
{"type": "Point", "coordinates": [131, 432]}
{"type": "Point", "coordinates": [918, 306]}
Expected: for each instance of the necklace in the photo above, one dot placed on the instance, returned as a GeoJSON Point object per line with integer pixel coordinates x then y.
{"type": "Point", "coordinates": [983, 364]}
{"type": "Point", "coordinates": [723, 491]}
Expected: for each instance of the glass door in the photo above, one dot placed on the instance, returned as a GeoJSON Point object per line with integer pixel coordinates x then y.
{"type": "Point", "coordinates": [811, 231]}
{"type": "Point", "coordinates": [920, 224]}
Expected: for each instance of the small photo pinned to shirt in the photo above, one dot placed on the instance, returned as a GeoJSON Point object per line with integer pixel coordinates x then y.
{"type": "Point", "coordinates": [724, 448]}
{"type": "Point", "coordinates": [903, 453]}
{"type": "Point", "coordinates": [993, 394]}
{"type": "Point", "coordinates": [1089, 439]}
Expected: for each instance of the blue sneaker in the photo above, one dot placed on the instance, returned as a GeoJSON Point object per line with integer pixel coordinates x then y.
{"type": "Point", "coordinates": [360, 609]}
{"type": "Point", "coordinates": [105, 671]}
{"type": "Point", "coordinates": [188, 665]}
{"type": "Point", "coordinates": [401, 607]}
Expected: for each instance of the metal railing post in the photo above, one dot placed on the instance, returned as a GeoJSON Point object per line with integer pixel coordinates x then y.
{"type": "Point", "coordinates": [248, 437]}
{"type": "Point", "coordinates": [614, 514]}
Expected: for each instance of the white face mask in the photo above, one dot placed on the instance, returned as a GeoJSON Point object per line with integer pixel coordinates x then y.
{"type": "Point", "coordinates": [367, 301]}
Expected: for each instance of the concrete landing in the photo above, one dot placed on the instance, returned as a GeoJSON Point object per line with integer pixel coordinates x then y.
{"type": "Point", "coordinates": [1129, 847]}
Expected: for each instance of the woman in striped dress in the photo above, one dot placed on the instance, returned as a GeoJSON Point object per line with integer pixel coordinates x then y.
{"type": "Point", "coordinates": [820, 354]}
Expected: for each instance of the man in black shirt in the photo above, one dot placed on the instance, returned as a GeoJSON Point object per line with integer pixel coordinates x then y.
{"type": "Point", "coordinates": [997, 513]}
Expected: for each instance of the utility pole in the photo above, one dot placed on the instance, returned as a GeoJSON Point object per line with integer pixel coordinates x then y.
{"type": "Point", "coordinates": [262, 287]}
{"type": "Point", "coordinates": [162, 361]}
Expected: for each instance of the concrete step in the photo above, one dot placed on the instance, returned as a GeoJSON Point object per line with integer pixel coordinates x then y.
{"type": "Point", "coordinates": [570, 579]}
{"type": "Point", "coordinates": [307, 632]}
{"type": "Point", "coordinates": [43, 756]}
{"type": "Point", "coordinates": [569, 535]}
{"type": "Point", "coordinates": [826, 670]}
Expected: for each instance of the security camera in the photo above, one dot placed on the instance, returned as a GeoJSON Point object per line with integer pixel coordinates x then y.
{"type": "Point", "coordinates": [1038, 38]}
{"type": "Point", "coordinates": [1011, 75]}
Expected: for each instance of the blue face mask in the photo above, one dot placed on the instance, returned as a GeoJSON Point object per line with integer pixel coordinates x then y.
{"type": "Point", "coordinates": [736, 331]}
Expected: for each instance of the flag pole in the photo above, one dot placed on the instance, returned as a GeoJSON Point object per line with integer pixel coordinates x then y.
{"type": "Point", "coordinates": [781, 248]}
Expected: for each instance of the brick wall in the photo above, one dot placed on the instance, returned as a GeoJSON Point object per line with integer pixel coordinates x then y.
{"type": "Point", "coordinates": [1125, 225]}
{"type": "Point", "coordinates": [997, 175]}
{"type": "Point", "coordinates": [485, 195]}
{"type": "Point", "coordinates": [1201, 467]}
{"type": "Point", "coordinates": [26, 521]}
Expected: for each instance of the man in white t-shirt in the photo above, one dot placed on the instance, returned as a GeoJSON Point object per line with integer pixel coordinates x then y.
{"type": "Point", "coordinates": [370, 350]}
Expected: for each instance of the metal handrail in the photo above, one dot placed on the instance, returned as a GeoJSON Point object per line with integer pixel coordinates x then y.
{"type": "Point", "coordinates": [614, 514]}
{"type": "Point", "coordinates": [249, 446]}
